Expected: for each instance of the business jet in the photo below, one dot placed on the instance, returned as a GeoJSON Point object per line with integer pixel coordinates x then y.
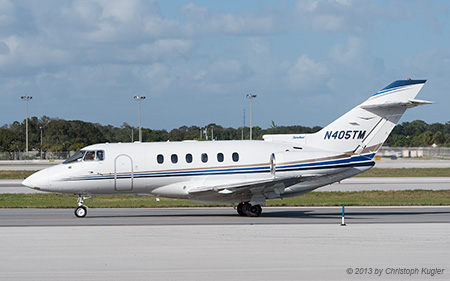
{"type": "Point", "coordinates": [246, 172]}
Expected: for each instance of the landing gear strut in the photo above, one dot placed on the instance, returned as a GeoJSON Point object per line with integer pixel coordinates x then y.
{"type": "Point", "coordinates": [81, 210]}
{"type": "Point", "coordinates": [246, 209]}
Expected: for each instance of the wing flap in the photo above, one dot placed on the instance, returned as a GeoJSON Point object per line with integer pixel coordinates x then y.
{"type": "Point", "coordinates": [276, 185]}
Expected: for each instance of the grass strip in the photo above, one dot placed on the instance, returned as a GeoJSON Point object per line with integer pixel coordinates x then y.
{"type": "Point", "coordinates": [356, 198]}
{"type": "Point", "coordinates": [15, 175]}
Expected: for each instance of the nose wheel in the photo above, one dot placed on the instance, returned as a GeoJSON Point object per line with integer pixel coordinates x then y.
{"type": "Point", "coordinates": [81, 210]}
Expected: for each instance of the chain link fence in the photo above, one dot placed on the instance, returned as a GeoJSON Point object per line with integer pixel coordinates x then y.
{"type": "Point", "coordinates": [36, 155]}
{"type": "Point", "coordinates": [414, 152]}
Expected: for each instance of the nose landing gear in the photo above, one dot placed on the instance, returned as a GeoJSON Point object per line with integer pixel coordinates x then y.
{"type": "Point", "coordinates": [81, 210]}
{"type": "Point", "coordinates": [246, 209]}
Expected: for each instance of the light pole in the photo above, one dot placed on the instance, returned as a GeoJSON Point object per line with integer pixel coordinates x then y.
{"type": "Point", "coordinates": [250, 97]}
{"type": "Point", "coordinates": [26, 99]}
{"type": "Point", "coordinates": [41, 141]}
{"type": "Point", "coordinates": [139, 99]}
{"type": "Point", "coordinates": [132, 134]}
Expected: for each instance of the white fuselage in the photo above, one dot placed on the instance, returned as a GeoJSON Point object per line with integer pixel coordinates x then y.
{"type": "Point", "coordinates": [173, 169]}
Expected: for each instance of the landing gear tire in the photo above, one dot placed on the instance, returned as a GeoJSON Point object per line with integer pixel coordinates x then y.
{"type": "Point", "coordinates": [246, 209]}
{"type": "Point", "coordinates": [240, 208]}
{"type": "Point", "coordinates": [80, 211]}
{"type": "Point", "coordinates": [254, 211]}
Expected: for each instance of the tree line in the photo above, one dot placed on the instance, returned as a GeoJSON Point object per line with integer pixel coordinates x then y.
{"type": "Point", "coordinates": [54, 134]}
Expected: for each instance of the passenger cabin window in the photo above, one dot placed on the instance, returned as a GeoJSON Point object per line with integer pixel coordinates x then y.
{"type": "Point", "coordinates": [204, 157]}
{"type": "Point", "coordinates": [189, 158]}
{"type": "Point", "coordinates": [220, 157]}
{"type": "Point", "coordinates": [235, 157]}
{"type": "Point", "coordinates": [160, 158]}
{"type": "Point", "coordinates": [174, 158]}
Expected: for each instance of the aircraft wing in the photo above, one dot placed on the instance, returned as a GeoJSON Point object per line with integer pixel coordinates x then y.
{"type": "Point", "coordinates": [263, 187]}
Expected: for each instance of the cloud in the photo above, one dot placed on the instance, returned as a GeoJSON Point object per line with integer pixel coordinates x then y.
{"type": "Point", "coordinates": [350, 53]}
{"type": "Point", "coordinates": [224, 71]}
{"type": "Point", "coordinates": [87, 32]}
{"type": "Point", "coordinates": [307, 73]}
{"type": "Point", "coordinates": [7, 12]}
{"type": "Point", "coordinates": [161, 49]}
{"type": "Point", "coordinates": [353, 16]}
{"type": "Point", "coordinates": [200, 22]}
{"type": "Point", "coordinates": [286, 52]}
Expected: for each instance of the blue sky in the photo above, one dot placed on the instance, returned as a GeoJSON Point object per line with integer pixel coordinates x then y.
{"type": "Point", "coordinates": [308, 62]}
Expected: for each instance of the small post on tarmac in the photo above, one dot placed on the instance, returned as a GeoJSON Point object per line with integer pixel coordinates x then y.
{"type": "Point", "coordinates": [343, 217]}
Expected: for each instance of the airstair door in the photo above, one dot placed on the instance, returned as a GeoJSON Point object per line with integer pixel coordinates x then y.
{"type": "Point", "coordinates": [123, 173]}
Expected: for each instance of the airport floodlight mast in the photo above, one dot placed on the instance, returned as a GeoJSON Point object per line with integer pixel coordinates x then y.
{"type": "Point", "coordinates": [26, 99]}
{"type": "Point", "coordinates": [251, 96]}
{"type": "Point", "coordinates": [40, 152]}
{"type": "Point", "coordinates": [139, 99]}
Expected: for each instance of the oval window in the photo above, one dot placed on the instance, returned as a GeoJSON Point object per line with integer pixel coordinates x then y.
{"type": "Point", "coordinates": [204, 157]}
{"type": "Point", "coordinates": [160, 158]}
{"type": "Point", "coordinates": [220, 157]}
{"type": "Point", "coordinates": [235, 157]}
{"type": "Point", "coordinates": [189, 158]}
{"type": "Point", "coordinates": [174, 158]}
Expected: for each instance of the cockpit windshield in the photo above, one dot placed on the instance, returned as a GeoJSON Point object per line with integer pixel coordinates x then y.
{"type": "Point", "coordinates": [86, 155]}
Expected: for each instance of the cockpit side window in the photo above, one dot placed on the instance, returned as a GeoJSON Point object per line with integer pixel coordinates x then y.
{"type": "Point", "coordinates": [76, 157]}
{"type": "Point", "coordinates": [90, 156]}
{"type": "Point", "coordinates": [100, 155]}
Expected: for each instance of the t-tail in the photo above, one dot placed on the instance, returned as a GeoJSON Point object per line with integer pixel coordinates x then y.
{"type": "Point", "coordinates": [363, 130]}
{"type": "Point", "coordinates": [366, 127]}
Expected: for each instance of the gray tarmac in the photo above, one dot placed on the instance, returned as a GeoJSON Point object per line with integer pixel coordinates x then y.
{"type": "Point", "coordinates": [392, 243]}
{"type": "Point", "coordinates": [222, 216]}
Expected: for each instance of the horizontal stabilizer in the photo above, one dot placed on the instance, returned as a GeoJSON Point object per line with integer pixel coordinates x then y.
{"type": "Point", "coordinates": [413, 103]}
{"type": "Point", "coordinates": [408, 104]}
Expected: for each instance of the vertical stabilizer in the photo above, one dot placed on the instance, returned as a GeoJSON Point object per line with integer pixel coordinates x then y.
{"type": "Point", "coordinates": [366, 127]}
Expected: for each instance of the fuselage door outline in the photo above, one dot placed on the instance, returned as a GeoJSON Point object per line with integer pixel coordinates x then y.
{"type": "Point", "coordinates": [123, 164]}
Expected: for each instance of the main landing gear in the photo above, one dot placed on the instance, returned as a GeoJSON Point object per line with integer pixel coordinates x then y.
{"type": "Point", "coordinates": [246, 209]}
{"type": "Point", "coordinates": [81, 210]}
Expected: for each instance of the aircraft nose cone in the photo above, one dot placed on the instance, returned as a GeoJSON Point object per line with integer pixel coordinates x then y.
{"type": "Point", "coordinates": [38, 180]}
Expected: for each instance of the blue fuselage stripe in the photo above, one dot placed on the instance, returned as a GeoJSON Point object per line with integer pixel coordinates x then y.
{"type": "Point", "coordinates": [356, 161]}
